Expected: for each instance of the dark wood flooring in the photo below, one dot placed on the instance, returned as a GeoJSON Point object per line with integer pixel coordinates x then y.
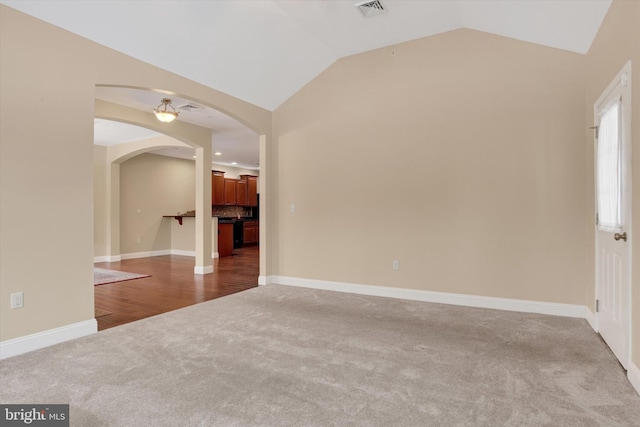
{"type": "Point", "coordinates": [172, 285]}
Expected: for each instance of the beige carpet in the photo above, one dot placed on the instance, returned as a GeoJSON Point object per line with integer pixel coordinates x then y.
{"type": "Point", "coordinates": [283, 356]}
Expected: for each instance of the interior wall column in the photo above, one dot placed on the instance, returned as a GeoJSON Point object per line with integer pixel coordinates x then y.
{"type": "Point", "coordinates": [264, 275]}
{"type": "Point", "coordinates": [112, 216]}
{"type": "Point", "coordinates": [204, 261]}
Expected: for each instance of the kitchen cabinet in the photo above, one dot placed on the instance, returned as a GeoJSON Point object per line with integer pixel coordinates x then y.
{"type": "Point", "coordinates": [250, 232]}
{"type": "Point", "coordinates": [252, 189]}
{"type": "Point", "coordinates": [230, 190]}
{"type": "Point", "coordinates": [234, 192]}
{"type": "Point", "coordinates": [217, 188]}
{"type": "Point", "coordinates": [225, 239]}
{"type": "Point", "coordinates": [241, 193]}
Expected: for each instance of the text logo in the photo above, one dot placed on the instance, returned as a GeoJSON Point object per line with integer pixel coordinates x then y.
{"type": "Point", "coordinates": [34, 415]}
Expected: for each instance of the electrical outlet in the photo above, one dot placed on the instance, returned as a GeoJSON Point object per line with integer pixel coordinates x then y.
{"type": "Point", "coordinates": [395, 264]}
{"type": "Point", "coordinates": [292, 208]}
{"type": "Point", "coordinates": [17, 300]}
{"type": "Point", "coordinates": [138, 240]}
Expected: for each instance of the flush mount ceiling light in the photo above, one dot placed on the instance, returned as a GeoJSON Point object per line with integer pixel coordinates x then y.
{"type": "Point", "coordinates": [164, 115]}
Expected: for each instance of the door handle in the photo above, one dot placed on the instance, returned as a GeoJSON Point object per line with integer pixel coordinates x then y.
{"type": "Point", "coordinates": [620, 236]}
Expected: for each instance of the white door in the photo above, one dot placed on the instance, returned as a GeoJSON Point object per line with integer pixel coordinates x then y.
{"type": "Point", "coordinates": [612, 114]}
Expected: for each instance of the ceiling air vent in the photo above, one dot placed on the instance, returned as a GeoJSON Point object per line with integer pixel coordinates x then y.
{"type": "Point", "coordinates": [188, 107]}
{"type": "Point", "coordinates": [371, 8]}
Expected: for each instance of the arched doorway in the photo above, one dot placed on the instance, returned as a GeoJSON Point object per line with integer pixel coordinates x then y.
{"type": "Point", "coordinates": [182, 136]}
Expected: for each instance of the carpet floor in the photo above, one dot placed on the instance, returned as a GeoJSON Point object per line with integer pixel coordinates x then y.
{"type": "Point", "coordinates": [285, 356]}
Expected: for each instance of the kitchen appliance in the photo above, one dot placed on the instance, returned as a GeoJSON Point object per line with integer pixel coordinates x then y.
{"type": "Point", "coordinates": [238, 233]}
{"type": "Point", "coordinates": [255, 211]}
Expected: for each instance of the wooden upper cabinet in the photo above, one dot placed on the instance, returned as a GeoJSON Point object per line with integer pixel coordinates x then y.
{"type": "Point", "coordinates": [252, 189]}
{"type": "Point", "coordinates": [241, 193]}
{"type": "Point", "coordinates": [217, 188]}
{"type": "Point", "coordinates": [230, 190]}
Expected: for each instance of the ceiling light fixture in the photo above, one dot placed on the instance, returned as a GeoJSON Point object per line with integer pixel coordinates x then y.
{"type": "Point", "coordinates": [163, 114]}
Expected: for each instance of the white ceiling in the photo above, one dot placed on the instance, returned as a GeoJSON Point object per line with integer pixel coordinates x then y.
{"type": "Point", "coordinates": [264, 51]}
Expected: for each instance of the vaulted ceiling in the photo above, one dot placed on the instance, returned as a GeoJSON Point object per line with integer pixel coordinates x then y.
{"type": "Point", "coordinates": [264, 51]}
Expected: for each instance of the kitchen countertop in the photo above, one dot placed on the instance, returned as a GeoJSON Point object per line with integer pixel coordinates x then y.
{"type": "Point", "coordinates": [221, 220]}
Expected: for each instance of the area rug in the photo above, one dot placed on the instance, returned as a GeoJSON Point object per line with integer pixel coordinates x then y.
{"type": "Point", "coordinates": [103, 276]}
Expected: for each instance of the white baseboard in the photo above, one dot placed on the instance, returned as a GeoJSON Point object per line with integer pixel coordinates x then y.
{"type": "Point", "coordinates": [107, 258]}
{"type": "Point", "coordinates": [203, 269]}
{"type": "Point", "coordinates": [633, 373]}
{"type": "Point", "coordinates": [265, 280]}
{"type": "Point", "coordinates": [43, 339]}
{"type": "Point", "coordinates": [146, 254]}
{"type": "Point", "coordinates": [182, 253]}
{"type": "Point", "coordinates": [556, 309]}
{"type": "Point", "coordinates": [152, 253]}
{"type": "Point", "coordinates": [191, 253]}
{"type": "Point", "coordinates": [592, 319]}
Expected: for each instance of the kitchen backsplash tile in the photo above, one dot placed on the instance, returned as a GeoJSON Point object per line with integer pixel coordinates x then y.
{"type": "Point", "coordinates": [231, 211]}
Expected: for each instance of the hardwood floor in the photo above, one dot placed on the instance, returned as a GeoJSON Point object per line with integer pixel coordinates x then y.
{"type": "Point", "coordinates": [172, 285]}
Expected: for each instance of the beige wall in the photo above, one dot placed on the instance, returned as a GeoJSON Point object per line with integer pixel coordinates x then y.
{"type": "Point", "coordinates": [46, 168]}
{"type": "Point", "coordinates": [617, 41]}
{"type": "Point", "coordinates": [157, 185]}
{"type": "Point", "coordinates": [183, 235]}
{"type": "Point", "coordinates": [47, 164]}
{"type": "Point", "coordinates": [462, 156]}
{"type": "Point", "coordinates": [152, 186]}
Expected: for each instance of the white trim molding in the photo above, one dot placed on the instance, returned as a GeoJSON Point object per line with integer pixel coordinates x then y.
{"type": "Point", "coordinates": [633, 373]}
{"type": "Point", "coordinates": [524, 306]}
{"type": "Point", "coordinates": [107, 258]}
{"type": "Point", "coordinates": [203, 269]}
{"type": "Point", "coordinates": [146, 254]}
{"type": "Point", "coordinates": [591, 318]}
{"type": "Point", "coordinates": [43, 339]}
{"type": "Point", "coordinates": [182, 253]}
{"type": "Point", "coordinates": [151, 254]}
{"type": "Point", "coordinates": [265, 280]}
